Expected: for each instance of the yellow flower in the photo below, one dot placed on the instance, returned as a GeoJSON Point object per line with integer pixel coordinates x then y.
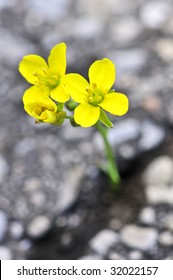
{"type": "Point", "coordinates": [96, 95]}
{"type": "Point", "coordinates": [45, 75]}
{"type": "Point", "coordinates": [42, 108]}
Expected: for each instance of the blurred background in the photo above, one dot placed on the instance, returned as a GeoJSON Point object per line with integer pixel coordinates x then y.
{"type": "Point", "coordinates": [54, 202]}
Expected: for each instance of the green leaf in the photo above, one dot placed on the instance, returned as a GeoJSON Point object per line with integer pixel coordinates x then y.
{"type": "Point", "coordinates": [104, 119]}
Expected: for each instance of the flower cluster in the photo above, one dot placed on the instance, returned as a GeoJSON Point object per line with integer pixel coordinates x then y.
{"type": "Point", "coordinates": [52, 88]}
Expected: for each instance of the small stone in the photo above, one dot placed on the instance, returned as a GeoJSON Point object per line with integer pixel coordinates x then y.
{"type": "Point", "coordinates": [24, 245]}
{"type": "Point", "coordinates": [90, 257]}
{"type": "Point", "coordinates": [123, 132]}
{"type": "Point", "coordinates": [86, 27]}
{"type": "Point", "coordinates": [4, 168]}
{"type": "Point", "coordinates": [168, 221]}
{"type": "Point", "coordinates": [49, 12]}
{"type": "Point", "coordinates": [126, 30]}
{"type": "Point", "coordinates": [152, 103]}
{"type": "Point", "coordinates": [32, 184]}
{"type": "Point", "coordinates": [25, 146]}
{"type": "Point", "coordinates": [159, 171]}
{"type": "Point", "coordinates": [139, 237]}
{"type": "Point", "coordinates": [20, 48]}
{"type": "Point", "coordinates": [38, 227]}
{"type": "Point", "coordinates": [147, 216]}
{"type": "Point", "coordinates": [129, 60]}
{"type": "Point", "coordinates": [164, 48]}
{"type": "Point", "coordinates": [69, 190]}
{"type": "Point", "coordinates": [5, 253]}
{"type": "Point", "coordinates": [74, 221]}
{"type": "Point", "coordinates": [169, 113]}
{"type": "Point", "coordinates": [115, 224]}
{"type": "Point", "coordinates": [166, 238]}
{"type": "Point", "coordinates": [127, 152]}
{"type": "Point", "coordinates": [38, 198]}
{"type": "Point", "coordinates": [61, 221]}
{"type": "Point", "coordinates": [16, 230]}
{"type": "Point", "coordinates": [115, 256]}
{"type": "Point", "coordinates": [152, 136]}
{"type": "Point", "coordinates": [66, 240]}
{"type": "Point", "coordinates": [135, 255]}
{"type": "Point", "coordinates": [5, 3]}
{"type": "Point", "coordinates": [157, 194]}
{"type": "Point", "coordinates": [154, 14]}
{"type": "Point", "coordinates": [103, 241]}
{"type": "Point", "coordinates": [3, 225]}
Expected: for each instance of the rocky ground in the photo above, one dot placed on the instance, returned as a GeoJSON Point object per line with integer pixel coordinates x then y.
{"type": "Point", "coordinates": [54, 203]}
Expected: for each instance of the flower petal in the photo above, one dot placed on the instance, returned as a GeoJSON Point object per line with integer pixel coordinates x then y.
{"type": "Point", "coordinates": [59, 94]}
{"type": "Point", "coordinates": [57, 59]}
{"type": "Point", "coordinates": [102, 74]}
{"type": "Point", "coordinates": [31, 64]}
{"type": "Point", "coordinates": [75, 85]}
{"type": "Point", "coordinates": [33, 93]}
{"type": "Point", "coordinates": [36, 107]}
{"type": "Point", "coordinates": [86, 115]}
{"type": "Point", "coordinates": [115, 103]}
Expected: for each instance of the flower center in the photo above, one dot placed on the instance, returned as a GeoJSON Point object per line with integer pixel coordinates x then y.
{"type": "Point", "coordinates": [45, 79]}
{"type": "Point", "coordinates": [94, 96]}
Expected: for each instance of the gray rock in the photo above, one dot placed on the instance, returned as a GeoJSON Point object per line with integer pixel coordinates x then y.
{"type": "Point", "coordinates": [122, 132]}
{"type": "Point", "coordinates": [154, 14]}
{"type": "Point", "coordinates": [115, 224]}
{"type": "Point", "coordinates": [103, 241]}
{"type": "Point", "coordinates": [152, 136]}
{"type": "Point", "coordinates": [147, 216]}
{"type": "Point", "coordinates": [135, 255]}
{"type": "Point", "coordinates": [168, 221]}
{"type": "Point", "coordinates": [159, 171]}
{"type": "Point", "coordinates": [16, 230]}
{"type": "Point", "coordinates": [74, 221]}
{"type": "Point", "coordinates": [128, 152]}
{"type": "Point", "coordinates": [66, 240]}
{"type": "Point", "coordinates": [138, 237]}
{"type": "Point", "coordinates": [69, 190]}
{"type": "Point", "coordinates": [5, 3]}
{"type": "Point", "coordinates": [87, 27]}
{"type": "Point", "coordinates": [4, 168]}
{"type": "Point", "coordinates": [38, 227]}
{"type": "Point", "coordinates": [32, 184]}
{"type": "Point", "coordinates": [113, 255]}
{"type": "Point", "coordinates": [169, 112]}
{"type": "Point", "coordinates": [126, 30]}
{"type": "Point", "coordinates": [38, 199]}
{"type": "Point", "coordinates": [24, 245]}
{"type": "Point", "coordinates": [5, 253]}
{"type": "Point", "coordinates": [129, 60]}
{"type": "Point", "coordinates": [90, 257]}
{"type": "Point", "coordinates": [50, 13]}
{"type": "Point", "coordinates": [166, 238]}
{"type": "Point", "coordinates": [164, 48]}
{"type": "Point", "coordinates": [21, 47]}
{"type": "Point", "coordinates": [3, 225]}
{"type": "Point", "coordinates": [61, 221]}
{"type": "Point", "coordinates": [156, 194]}
{"type": "Point", "coordinates": [25, 146]}
{"type": "Point", "coordinates": [71, 134]}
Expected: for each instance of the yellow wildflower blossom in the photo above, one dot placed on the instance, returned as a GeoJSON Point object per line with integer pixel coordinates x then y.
{"type": "Point", "coordinates": [42, 108]}
{"type": "Point", "coordinates": [45, 75]}
{"type": "Point", "coordinates": [95, 95]}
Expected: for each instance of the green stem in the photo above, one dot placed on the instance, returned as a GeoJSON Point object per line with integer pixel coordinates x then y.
{"type": "Point", "coordinates": [111, 167]}
{"type": "Point", "coordinates": [68, 117]}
